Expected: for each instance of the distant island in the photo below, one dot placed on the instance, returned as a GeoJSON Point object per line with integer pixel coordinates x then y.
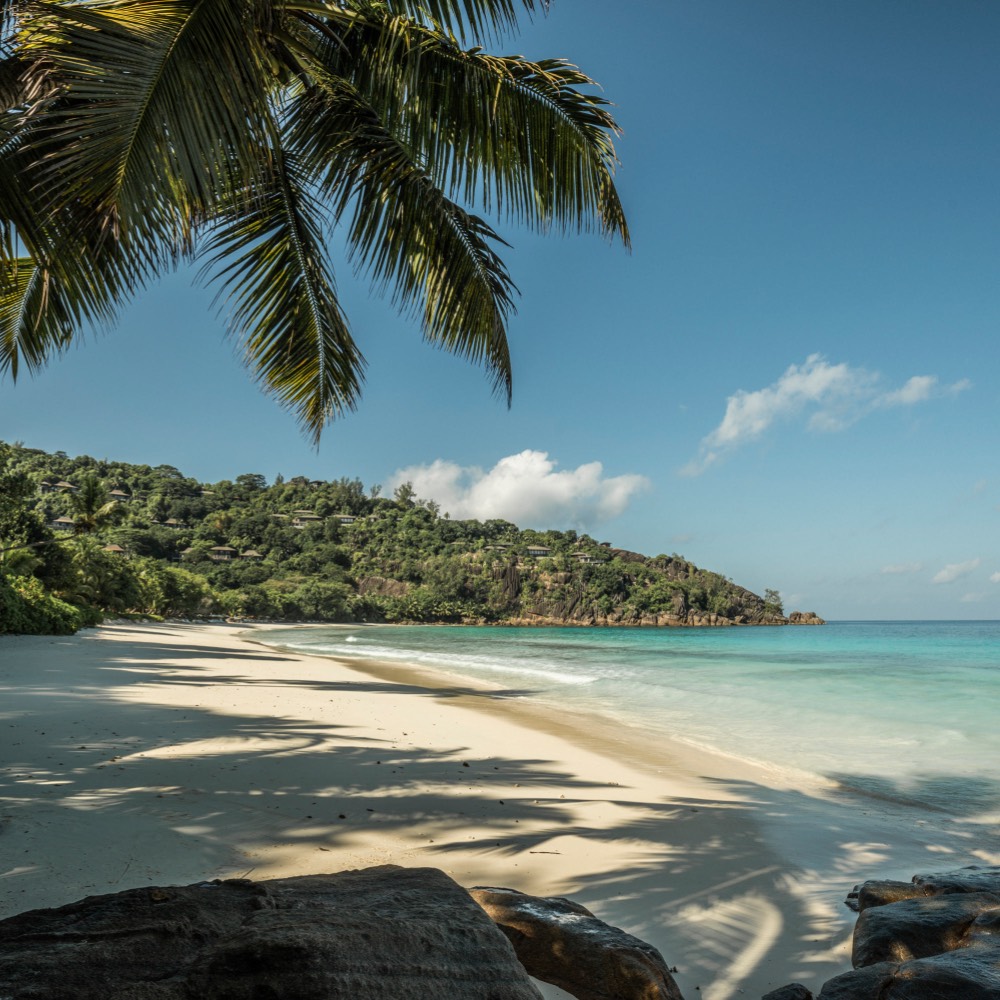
{"type": "Point", "coordinates": [82, 538]}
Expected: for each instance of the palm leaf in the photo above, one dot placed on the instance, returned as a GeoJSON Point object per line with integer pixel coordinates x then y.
{"type": "Point", "coordinates": [28, 292]}
{"type": "Point", "coordinates": [146, 122]}
{"type": "Point", "coordinates": [156, 113]}
{"type": "Point", "coordinates": [122, 154]}
{"type": "Point", "coordinates": [404, 232]}
{"type": "Point", "coordinates": [11, 127]}
{"type": "Point", "coordinates": [53, 276]}
{"type": "Point", "coordinates": [270, 263]}
{"type": "Point", "coordinates": [521, 138]}
{"type": "Point", "coordinates": [483, 19]}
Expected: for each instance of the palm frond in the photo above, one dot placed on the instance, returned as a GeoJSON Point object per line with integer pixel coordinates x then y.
{"type": "Point", "coordinates": [482, 19]}
{"type": "Point", "coordinates": [271, 266]}
{"type": "Point", "coordinates": [11, 96]}
{"type": "Point", "coordinates": [154, 114]}
{"type": "Point", "coordinates": [437, 258]}
{"type": "Point", "coordinates": [36, 320]}
{"type": "Point", "coordinates": [8, 8]}
{"type": "Point", "coordinates": [56, 274]}
{"type": "Point", "coordinates": [525, 139]}
{"type": "Point", "coordinates": [134, 126]}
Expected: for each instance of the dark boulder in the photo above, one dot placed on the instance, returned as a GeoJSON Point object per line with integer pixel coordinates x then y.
{"type": "Point", "coordinates": [936, 938]}
{"type": "Point", "coordinates": [561, 942]}
{"type": "Point", "coordinates": [879, 892]}
{"type": "Point", "coordinates": [793, 991]}
{"type": "Point", "coordinates": [974, 878]}
{"type": "Point", "coordinates": [387, 932]}
{"type": "Point", "coordinates": [920, 927]}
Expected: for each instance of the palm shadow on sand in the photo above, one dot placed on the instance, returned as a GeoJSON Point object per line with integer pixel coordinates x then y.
{"type": "Point", "coordinates": [705, 883]}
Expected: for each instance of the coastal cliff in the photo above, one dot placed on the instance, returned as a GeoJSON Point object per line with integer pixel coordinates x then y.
{"type": "Point", "coordinates": [663, 591]}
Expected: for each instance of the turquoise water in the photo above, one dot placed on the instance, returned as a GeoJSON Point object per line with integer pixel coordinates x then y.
{"type": "Point", "coordinates": [903, 710]}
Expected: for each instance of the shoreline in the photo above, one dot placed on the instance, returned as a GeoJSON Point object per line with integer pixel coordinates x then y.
{"type": "Point", "coordinates": [168, 753]}
{"type": "Point", "coordinates": [588, 730]}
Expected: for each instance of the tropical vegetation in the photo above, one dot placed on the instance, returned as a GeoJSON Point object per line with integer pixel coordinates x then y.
{"type": "Point", "coordinates": [246, 135]}
{"type": "Point", "coordinates": [310, 550]}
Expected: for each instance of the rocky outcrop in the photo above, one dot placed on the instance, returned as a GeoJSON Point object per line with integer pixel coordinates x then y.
{"type": "Point", "coordinates": [935, 938]}
{"type": "Point", "coordinates": [922, 927]}
{"type": "Point", "coordinates": [380, 586]}
{"type": "Point", "coordinates": [574, 612]}
{"type": "Point", "coordinates": [563, 943]}
{"type": "Point", "coordinates": [805, 618]}
{"type": "Point", "coordinates": [388, 932]}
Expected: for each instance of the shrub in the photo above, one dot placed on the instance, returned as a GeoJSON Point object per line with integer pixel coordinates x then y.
{"type": "Point", "coordinates": [26, 608]}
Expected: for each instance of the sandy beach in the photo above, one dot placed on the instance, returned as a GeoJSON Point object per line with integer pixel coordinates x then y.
{"type": "Point", "coordinates": [165, 754]}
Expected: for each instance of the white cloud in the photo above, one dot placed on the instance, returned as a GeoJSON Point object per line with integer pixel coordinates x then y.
{"type": "Point", "coordinates": [954, 571]}
{"type": "Point", "coordinates": [994, 577]}
{"type": "Point", "coordinates": [915, 567]}
{"type": "Point", "coordinates": [971, 598]}
{"type": "Point", "coordinates": [916, 390]}
{"type": "Point", "coordinates": [838, 395]}
{"type": "Point", "coordinates": [525, 488]}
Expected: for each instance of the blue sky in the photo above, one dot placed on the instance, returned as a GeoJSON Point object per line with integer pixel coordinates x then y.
{"type": "Point", "coordinates": [792, 380]}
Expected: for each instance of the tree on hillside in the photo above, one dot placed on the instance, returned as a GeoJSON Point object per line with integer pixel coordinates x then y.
{"type": "Point", "coordinates": [92, 507]}
{"type": "Point", "coordinates": [241, 133]}
{"type": "Point", "coordinates": [772, 602]}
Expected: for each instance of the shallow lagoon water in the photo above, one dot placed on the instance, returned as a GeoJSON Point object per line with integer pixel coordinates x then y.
{"type": "Point", "coordinates": [906, 711]}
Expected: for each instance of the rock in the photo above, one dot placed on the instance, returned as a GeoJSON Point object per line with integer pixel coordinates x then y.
{"type": "Point", "coordinates": [380, 586]}
{"type": "Point", "coordinates": [970, 974]}
{"type": "Point", "coordinates": [920, 927]}
{"type": "Point", "coordinates": [793, 991]}
{"type": "Point", "coordinates": [805, 618]}
{"type": "Point", "coordinates": [860, 984]}
{"type": "Point", "coordinates": [388, 932]}
{"type": "Point", "coordinates": [974, 878]}
{"type": "Point", "coordinates": [561, 942]}
{"type": "Point", "coordinates": [878, 893]}
{"type": "Point", "coordinates": [935, 938]}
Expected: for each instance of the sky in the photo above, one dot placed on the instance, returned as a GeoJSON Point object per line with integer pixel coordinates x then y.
{"type": "Point", "coordinates": [793, 379]}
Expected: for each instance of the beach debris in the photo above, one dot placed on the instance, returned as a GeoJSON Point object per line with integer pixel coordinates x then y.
{"type": "Point", "coordinates": [563, 943]}
{"type": "Point", "coordinates": [388, 932]}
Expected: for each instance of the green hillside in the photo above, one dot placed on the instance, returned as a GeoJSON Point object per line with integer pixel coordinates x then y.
{"type": "Point", "coordinates": [84, 538]}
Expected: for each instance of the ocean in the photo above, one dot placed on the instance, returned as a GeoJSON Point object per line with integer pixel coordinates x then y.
{"type": "Point", "coordinates": [903, 711]}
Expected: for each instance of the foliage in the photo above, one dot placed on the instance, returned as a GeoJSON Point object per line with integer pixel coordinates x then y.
{"type": "Point", "coordinates": [772, 602]}
{"type": "Point", "coordinates": [93, 506]}
{"type": "Point", "coordinates": [26, 608]}
{"type": "Point", "coordinates": [244, 134]}
{"type": "Point", "coordinates": [363, 557]}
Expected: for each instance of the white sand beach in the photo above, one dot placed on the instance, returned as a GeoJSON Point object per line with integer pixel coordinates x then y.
{"type": "Point", "coordinates": [168, 753]}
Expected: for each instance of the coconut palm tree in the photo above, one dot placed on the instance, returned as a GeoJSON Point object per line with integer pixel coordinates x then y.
{"type": "Point", "coordinates": [93, 509]}
{"type": "Point", "coordinates": [245, 134]}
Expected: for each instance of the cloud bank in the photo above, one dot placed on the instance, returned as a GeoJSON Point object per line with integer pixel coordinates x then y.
{"type": "Point", "coordinates": [525, 488]}
{"type": "Point", "coordinates": [837, 396]}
